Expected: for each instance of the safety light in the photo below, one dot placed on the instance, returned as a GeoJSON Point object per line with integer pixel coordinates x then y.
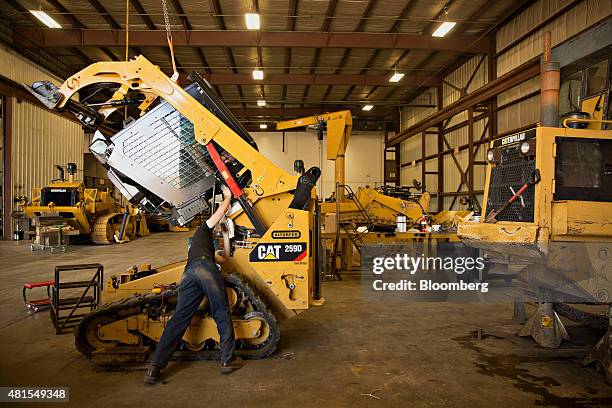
{"type": "Point", "coordinates": [261, 103]}
{"type": "Point", "coordinates": [367, 108]}
{"type": "Point", "coordinates": [263, 126]}
{"type": "Point", "coordinates": [444, 28]}
{"type": "Point", "coordinates": [257, 74]}
{"type": "Point", "coordinates": [45, 19]}
{"type": "Point", "coordinates": [252, 21]}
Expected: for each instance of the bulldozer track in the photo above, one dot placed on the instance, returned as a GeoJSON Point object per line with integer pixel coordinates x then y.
{"type": "Point", "coordinates": [103, 230]}
{"type": "Point", "coordinates": [137, 304]}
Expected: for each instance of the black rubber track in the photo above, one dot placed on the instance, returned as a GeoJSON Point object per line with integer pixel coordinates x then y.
{"type": "Point", "coordinates": [137, 304]}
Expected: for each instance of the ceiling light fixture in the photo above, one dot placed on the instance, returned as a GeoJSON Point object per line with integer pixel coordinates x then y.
{"type": "Point", "coordinates": [257, 74]}
{"type": "Point", "coordinates": [252, 21]}
{"type": "Point", "coordinates": [445, 27]}
{"type": "Point", "coordinates": [45, 19]}
{"type": "Point", "coordinates": [263, 126]}
{"type": "Point", "coordinates": [396, 77]}
{"type": "Point", "coordinates": [261, 102]}
{"type": "Point", "coordinates": [367, 108]}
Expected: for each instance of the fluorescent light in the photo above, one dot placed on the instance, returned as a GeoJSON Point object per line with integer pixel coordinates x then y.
{"type": "Point", "coordinates": [444, 28]}
{"type": "Point", "coordinates": [367, 107]}
{"type": "Point", "coordinates": [263, 126]}
{"type": "Point", "coordinates": [45, 19]}
{"type": "Point", "coordinates": [396, 77]}
{"type": "Point", "coordinates": [257, 74]}
{"type": "Point", "coordinates": [261, 102]}
{"type": "Point", "coordinates": [252, 21]}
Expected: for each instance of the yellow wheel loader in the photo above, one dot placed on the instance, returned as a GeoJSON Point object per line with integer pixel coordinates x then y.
{"type": "Point", "coordinates": [94, 213]}
{"type": "Point", "coordinates": [173, 158]}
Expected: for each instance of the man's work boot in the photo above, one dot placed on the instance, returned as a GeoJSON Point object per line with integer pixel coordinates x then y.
{"type": "Point", "coordinates": [232, 365]}
{"type": "Point", "coordinates": [153, 375]}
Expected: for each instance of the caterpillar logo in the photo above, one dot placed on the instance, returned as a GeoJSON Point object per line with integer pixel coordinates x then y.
{"type": "Point", "coordinates": [286, 234]}
{"type": "Point", "coordinates": [513, 139]}
{"type": "Point", "coordinates": [282, 251]}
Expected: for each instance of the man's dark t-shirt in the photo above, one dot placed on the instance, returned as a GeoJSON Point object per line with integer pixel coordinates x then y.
{"type": "Point", "coordinates": [202, 244]}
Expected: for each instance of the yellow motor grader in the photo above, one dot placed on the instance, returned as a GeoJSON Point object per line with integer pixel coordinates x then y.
{"type": "Point", "coordinates": [93, 213]}
{"type": "Point", "coordinates": [173, 158]}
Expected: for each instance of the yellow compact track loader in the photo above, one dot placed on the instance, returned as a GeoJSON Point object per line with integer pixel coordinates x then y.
{"type": "Point", "coordinates": [172, 157]}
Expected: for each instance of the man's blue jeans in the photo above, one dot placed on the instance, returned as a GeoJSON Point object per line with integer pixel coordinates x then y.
{"type": "Point", "coordinates": [201, 278]}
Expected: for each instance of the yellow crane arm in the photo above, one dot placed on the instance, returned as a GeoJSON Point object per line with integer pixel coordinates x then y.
{"type": "Point", "coordinates": [344, 116]}
{"type": "Point", "coordinates": [339, 126]}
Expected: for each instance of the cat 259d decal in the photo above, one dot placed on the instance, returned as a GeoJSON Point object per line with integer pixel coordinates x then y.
{"type": "Point", "coordinates": [279, 252]}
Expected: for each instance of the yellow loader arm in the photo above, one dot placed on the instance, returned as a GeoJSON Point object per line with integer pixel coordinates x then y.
{"type": "Point", "coordinates": [141, 75]}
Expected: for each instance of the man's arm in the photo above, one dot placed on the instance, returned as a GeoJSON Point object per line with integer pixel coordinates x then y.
{"type": "Point", "coordinates": [223, 207]}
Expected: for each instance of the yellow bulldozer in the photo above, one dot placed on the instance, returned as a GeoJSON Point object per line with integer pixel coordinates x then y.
{"type": "Point", "coordinates": [547, 216]}
{"type": "Point", "coordinates": [92, 213]}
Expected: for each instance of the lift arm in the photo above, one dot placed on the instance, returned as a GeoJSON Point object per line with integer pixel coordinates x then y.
{"type": "Point", "coordinates": [139, 74]}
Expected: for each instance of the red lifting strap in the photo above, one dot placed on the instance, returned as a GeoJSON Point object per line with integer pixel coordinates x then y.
{"type": "Point", "coordinates": [227, 176]}
{"type": "Point", "coordinates": [30, 285]}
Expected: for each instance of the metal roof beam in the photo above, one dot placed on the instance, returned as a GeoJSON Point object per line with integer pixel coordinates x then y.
{"type": "Point", "coordinates": [296, 112]}
{"type": "Point", "coordinates": [221, 38]}
{"type": "Point", "coordinates": [320, 79]}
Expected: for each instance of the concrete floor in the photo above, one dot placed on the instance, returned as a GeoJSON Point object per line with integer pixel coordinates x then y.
{"type": "Point", "coordinates": [413, 354]}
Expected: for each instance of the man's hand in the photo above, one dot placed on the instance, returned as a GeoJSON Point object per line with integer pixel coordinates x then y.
{"type": "Point", "coordinates": [227, 194]}
{"type": "Point", "coordinates": [223, 207]}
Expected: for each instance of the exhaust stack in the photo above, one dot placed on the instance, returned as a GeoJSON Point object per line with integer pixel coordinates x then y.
{"type": "Point", "coordinates": [72, 168]}
{"type": "Point", "coordinates": [550, 77]}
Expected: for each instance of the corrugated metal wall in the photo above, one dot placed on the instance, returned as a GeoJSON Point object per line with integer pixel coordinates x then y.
{"type": "Point", "coordinates": [477, 71]}
{"type": "Point", "coordinates": [19, 69]}
{"type": "Point", "coordinates": [40, 141]}
{"type": "Point", "coordinates": [572, 22]}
